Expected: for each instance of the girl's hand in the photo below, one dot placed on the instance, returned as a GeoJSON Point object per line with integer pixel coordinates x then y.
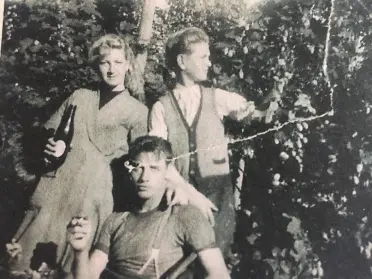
{"type": "Point", "coordinates": [54, 148]}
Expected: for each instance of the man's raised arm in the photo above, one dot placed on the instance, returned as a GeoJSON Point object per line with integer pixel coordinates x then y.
{"type": "Point", "coordinates": [84, 267]}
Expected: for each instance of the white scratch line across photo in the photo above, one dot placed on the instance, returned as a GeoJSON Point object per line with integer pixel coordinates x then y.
{"type": "Point", "coordinates": [297, 119]}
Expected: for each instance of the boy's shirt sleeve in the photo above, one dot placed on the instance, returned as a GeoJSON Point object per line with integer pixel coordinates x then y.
{"type": "Point", "coordinates": [233, 105]}
{"type": "Point", "coordinates": [195, 230]}
{"type": "Point", "coordinates": [156, 122]}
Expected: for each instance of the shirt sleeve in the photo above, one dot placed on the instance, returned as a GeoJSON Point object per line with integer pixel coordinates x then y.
{"type": "Point", "coordinates": [156, 122]}
{"type": "Point", "coordinates": [104, 239]}
{"type": "Point", "coordinates": [233, 105]}
{"type": "Point", "coordinates": [196, 230]}
{"type": "Point", "coordinates": [56, 117]}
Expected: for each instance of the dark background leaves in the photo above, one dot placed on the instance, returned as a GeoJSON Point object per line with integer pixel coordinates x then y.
{"type": "Point", "coordinates": [305, 200]}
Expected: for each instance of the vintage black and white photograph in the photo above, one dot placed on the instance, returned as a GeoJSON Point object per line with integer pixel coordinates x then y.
{"type": "Point", "coordinates": [185, 139]}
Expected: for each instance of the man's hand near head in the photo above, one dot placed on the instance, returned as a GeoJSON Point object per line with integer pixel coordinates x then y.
{"type": "Point", "coordinates": [79, 233]}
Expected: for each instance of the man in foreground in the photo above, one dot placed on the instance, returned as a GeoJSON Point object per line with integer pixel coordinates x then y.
{"type": "Point", "coordinates": [151, 239]}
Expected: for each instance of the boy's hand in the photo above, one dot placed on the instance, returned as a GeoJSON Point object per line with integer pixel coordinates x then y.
{"type": "Point", "coordinates": [175, 195]}
{"type": "Point", "coordinates": [78, 233]}
{"type": "Point", "coordinates": [14, 250]}
{"type": "Point", "coordinates": [245, 112]}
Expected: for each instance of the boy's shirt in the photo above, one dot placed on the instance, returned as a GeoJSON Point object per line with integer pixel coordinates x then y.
{"type": "Point", "coordinates": [126, 238]}
{"type": "Point", "coordinates": [227, 104]}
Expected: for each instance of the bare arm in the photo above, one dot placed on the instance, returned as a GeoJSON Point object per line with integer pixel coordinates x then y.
{"type": "Point", "coordinates": [238, 108]}
{"type": "Point", "coordinates": [213, 263]}
{"type": "Point", "coordinates": [86, 267]}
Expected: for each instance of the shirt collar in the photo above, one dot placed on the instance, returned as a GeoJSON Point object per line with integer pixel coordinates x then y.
{"type": "Point", "coordinates": [181, 92]}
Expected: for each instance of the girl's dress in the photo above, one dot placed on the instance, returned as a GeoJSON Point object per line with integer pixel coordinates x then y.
{"type": "Point", "coordinates": [83, 184]}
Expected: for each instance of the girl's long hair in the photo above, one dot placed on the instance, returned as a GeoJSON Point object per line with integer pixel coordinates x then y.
{"type": "Point", "coordinates": [134, 81]}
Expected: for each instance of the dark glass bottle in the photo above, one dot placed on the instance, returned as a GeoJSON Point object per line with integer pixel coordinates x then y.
{"type": "Point", "coordinates": [64, 132]}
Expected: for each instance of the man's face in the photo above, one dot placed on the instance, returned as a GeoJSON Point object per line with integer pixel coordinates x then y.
{"type": "Point", "coordinates": [149, 175]}
{"type": "Point", "coordinates": [113, 67]}
{"type": "Point", "coordinates": [195, 63]}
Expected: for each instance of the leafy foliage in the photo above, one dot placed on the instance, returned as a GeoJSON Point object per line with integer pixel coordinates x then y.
{"type": "Point", "coordinates": [305, 201]}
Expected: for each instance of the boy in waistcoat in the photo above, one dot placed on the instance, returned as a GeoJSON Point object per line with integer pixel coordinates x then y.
{"type": "Point", "coordinates": [190, 117]}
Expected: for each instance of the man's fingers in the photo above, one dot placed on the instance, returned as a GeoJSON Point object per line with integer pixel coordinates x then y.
{"type": "Point", "coordinates": [14, 254]}
{"type": "Point", "coordinates": [79, 235]}
{"type": "Point", "coordinates": [212, 206]}
{"type": "Point", "coordinates": [210, 217]}
{"type": "Point", "coordinates": [169, 194]}
{"type": "Point", "coordinates": [78, 229]}
{"type": "Point", "coordinates": [79, 221]}
{"type": "Point", "coordinates": [176, 196]}
{"type": "Point", "coordinates": [79, 224]}
{"type": "Point", "coordinates": [17, 246]}
{"type": "Point", "coordinates": [80, 216]}
{"type": "Point", "coordinates": [13, 248]}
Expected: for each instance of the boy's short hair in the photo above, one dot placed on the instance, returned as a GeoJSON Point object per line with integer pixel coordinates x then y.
{"type": "Point", "coordinates": [180, 42]}
{"type": "Point", "coordinates": [157, 145]}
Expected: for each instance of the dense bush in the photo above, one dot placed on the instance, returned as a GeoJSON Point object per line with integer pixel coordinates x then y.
{"type": "Point", "coordinates": [304, 207]}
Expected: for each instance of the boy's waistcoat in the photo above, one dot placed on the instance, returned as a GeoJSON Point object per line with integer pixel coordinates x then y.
{"type": "Point", "coordinates": [202, 148]}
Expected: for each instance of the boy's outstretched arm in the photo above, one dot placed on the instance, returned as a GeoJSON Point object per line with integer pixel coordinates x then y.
{"type": "Point", "coordinates": [238, 108]}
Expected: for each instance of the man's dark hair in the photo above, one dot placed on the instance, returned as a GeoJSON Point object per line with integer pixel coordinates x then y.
{"type": "Point", "coordinates": [158, 146]}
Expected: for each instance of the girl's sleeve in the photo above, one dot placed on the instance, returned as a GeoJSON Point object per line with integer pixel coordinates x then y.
{"type": "Point", "coordinates": [138, 122]}
{"type": "Point", "coordinates": [56, 117]}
